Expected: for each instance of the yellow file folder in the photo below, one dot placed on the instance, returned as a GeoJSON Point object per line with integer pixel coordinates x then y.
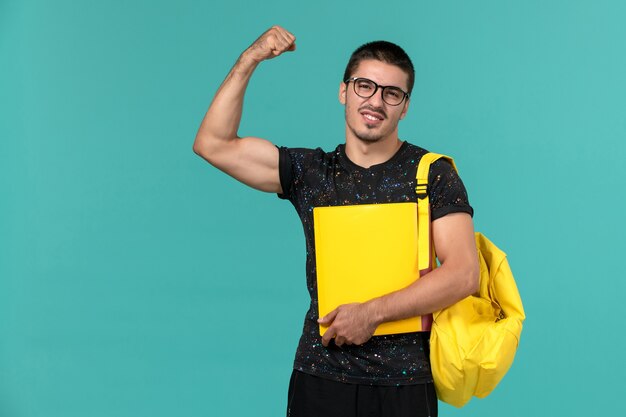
{"type": "Point", "coordinates": [363, 252]}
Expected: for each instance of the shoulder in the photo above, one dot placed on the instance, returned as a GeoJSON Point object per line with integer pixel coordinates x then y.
{"type": "Point", "coordinates": [447, 191]}
{"type": "Point", "coordinates": [413, 154]}
{"type": "Point", "coordinates": [304, 153]}
{"type": "Point", "coordinates": [414, 151]}
{"type": "Point", "coordinates": [298, 166]}
{"type": "Point", "coordinates": [303, 159]}
{"type": "Point", "coordinates": [440, 166]}
{"type": "Point", "coordinates": [414, 148]}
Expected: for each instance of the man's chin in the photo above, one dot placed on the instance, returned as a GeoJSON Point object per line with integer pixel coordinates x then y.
{"type": "Point", "coordinates": [370, 135]}
{"type": "Point", "coordinates": [369, 138]}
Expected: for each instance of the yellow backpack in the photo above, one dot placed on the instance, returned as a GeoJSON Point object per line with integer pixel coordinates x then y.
{"type": "Point", "coordinates": [473, 342]}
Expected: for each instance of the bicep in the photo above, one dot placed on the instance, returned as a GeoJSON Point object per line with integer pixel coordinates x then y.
{"type": "Point", "coordinates": [251, 160]}
{"type": "Point", "coordinates": [455, 245]}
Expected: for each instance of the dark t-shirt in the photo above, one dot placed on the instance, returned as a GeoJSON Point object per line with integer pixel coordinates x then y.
{"type": "Point", "coordinates": [313, 178]}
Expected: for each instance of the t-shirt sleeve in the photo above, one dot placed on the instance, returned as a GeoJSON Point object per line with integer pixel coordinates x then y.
{"type": "Point", "coordinates": [285, 172]}
{"type": "Point", "coordinates": [293, 163]}
{"type": "Point", "coordinates": [447, 192]}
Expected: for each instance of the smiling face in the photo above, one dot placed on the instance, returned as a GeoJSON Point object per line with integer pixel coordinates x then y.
{"type": "Point", "coordinates": [371, 119]}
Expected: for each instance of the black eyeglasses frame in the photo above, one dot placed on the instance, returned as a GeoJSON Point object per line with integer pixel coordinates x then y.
{"type": "Point", "coordinates": [377, 86]}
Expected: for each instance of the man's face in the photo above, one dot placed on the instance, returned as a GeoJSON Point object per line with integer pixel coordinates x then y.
{"type": "Point", "coordinates": [371, 119]}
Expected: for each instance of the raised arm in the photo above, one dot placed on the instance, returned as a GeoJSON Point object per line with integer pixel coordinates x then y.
{"type": "Point", "coordinates": [251, 160]}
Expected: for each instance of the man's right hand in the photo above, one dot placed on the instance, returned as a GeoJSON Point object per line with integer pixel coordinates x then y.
{"type": "Point", "coordinates": [270, 44]}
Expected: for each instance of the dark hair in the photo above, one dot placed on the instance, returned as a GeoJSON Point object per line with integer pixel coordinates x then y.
{"type": "Point", "coordinates": [381, 51]}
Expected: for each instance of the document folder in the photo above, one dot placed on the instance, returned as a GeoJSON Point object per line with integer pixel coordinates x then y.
{"type": "Point", "coordinates": [365, 251]}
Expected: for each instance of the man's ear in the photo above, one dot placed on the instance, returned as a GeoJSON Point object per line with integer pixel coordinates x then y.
{"type": "Point", "coordinates": [405, 109]}
{"type": "Point", "coordinates": [343, 90]}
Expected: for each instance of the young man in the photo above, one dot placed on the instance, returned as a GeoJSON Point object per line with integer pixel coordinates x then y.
{"type": "Point", "coordinates": [347, 372]}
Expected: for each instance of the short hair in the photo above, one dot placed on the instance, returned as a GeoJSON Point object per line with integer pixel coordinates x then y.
{"type": "Point", "coordinates": [382, 51]}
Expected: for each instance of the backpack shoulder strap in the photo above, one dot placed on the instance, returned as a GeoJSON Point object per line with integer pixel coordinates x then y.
{"type": "Point", "coordinates": [424, 167]}
{"type": "Point", "coordinates": [425, 255]}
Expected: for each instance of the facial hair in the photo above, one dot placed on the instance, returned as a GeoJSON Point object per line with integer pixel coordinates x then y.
{"type": "Point", "coordinates": [368, 136]}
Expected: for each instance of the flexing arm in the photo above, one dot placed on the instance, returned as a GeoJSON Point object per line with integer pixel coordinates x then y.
{"type": "Point", "coordinates": [251, 160]}
{"type": "Point", "coordinates": [455, 279]}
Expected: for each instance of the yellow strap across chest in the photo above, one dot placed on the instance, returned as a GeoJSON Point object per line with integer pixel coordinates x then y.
{"type": "Point", "coordinates": [425, 249]}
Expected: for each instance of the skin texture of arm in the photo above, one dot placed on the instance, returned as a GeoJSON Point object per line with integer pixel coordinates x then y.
{"type": "Point", "coordinates": [251, 160]}
{"type": "Point", "coordinates": [455, 279]}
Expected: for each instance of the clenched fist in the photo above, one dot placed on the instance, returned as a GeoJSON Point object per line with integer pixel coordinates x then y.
{"type": "Point", "coordinates": [270, 44]}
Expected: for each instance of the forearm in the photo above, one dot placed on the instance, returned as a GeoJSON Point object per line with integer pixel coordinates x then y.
{"type": "Point", "coordinates": [455, 279]}
{"type": "Point", "coordinates": [356, 322]}
{"type": "Point", "coordinates": [434, 291]}
{"type": "Point", "coordinates": [221, 122]}
{"type": "Point", "coordinates": [252, 160]}
{"type": "Point", "coordinates": [222, 119]}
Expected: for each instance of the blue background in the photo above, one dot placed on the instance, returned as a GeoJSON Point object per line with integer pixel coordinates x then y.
{"type": "Point", "coordinates": [136, 280]}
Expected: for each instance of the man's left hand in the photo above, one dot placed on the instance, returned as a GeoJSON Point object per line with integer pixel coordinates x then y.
{"type": "Point", "coordinates": [350, 324]}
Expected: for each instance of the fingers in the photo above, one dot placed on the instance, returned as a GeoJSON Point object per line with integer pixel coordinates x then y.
{"type": "Point", "coordinates": [340, 340]}
{"type": "Point", "coordinates": [287, 39]}
{"type": "Point", "coordinates": [326, 321]}
{"type": "Point", "coordinates": [327, 337]}
{"type": "Point", "coordinates": [275, 41]}
{"type": "Point", "coordinates": [348, 324]}
{"type": "Point", "coordinates": [284, 41]}
{"type": "Point", "coordinates": [333, 330]}
{"type": "Point", "coordinates": [328, 318]}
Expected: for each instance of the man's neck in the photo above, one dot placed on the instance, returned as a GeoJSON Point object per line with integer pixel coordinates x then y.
{"type": "Point", "coordinates": [366, 154]}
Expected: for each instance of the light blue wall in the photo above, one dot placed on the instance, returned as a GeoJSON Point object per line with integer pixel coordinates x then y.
{"type": "Point", "coordinates": [136, 280]}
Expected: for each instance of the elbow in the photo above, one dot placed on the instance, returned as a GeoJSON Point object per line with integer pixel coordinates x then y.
{"type": "Point", "coordinates": [211, 148]}
{"type": "Point", "coordinates": [197, 146]}
{"type": "Point", "coordinates": [467, 279]}
{"type": "Point", "coordinates": [201, 147]}
{"type": "Point", "coordinates": [472, 279]}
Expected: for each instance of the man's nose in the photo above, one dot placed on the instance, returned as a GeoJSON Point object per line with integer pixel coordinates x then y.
{"type": "Point", "coordinates": [377, 98]}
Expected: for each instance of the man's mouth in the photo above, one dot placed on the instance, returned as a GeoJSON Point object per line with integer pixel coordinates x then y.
{"type": "Point", "coordinates": [372, 116]}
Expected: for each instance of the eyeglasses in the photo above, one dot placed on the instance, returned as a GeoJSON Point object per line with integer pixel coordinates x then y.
{"type": "Point", "coordinates": [367, 88]}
